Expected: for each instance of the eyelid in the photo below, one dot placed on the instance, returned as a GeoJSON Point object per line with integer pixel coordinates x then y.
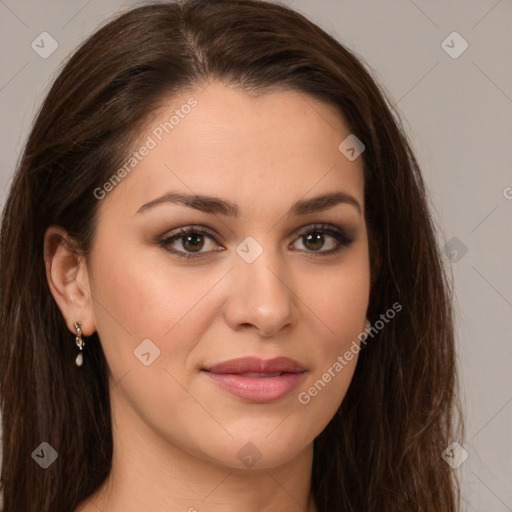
{"type": "Point", "coordinates": [330, 229]}
{"type": "Point", "coordinates": [336, 232]}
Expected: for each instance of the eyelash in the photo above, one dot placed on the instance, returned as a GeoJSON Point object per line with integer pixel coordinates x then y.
{"type": "Point", "coordinates": [339, 235]}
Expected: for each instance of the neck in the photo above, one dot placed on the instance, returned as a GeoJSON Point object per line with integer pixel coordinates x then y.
{"type": "Point", "coordinates": [150, 473]}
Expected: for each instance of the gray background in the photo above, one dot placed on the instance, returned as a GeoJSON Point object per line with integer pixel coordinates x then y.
{"type": "Point", "coordinates": [458, 114]}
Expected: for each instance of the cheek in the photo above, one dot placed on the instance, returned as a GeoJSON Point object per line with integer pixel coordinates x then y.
{"type": "Point", "coordinates": [138, 298]}
{"type": "Point", "coordinates": [334, 349]}
{"type": "Point", "coordinates": [337, 300]}
{"type": "Point", "coordinates": [141, 286]}
{"type": "Point", "coordinates": [337, 306]}
{"type": "Point", "coordinates": [158, 309]}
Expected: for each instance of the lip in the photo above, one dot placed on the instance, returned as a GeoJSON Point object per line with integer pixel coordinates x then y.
{"type": "Point", "coordinates": [257, 380]}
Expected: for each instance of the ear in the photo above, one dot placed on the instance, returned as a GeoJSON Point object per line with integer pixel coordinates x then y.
{"type": "Point", "coordinates": [68, 279]}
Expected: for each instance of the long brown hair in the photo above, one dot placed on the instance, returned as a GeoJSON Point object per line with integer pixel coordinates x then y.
{"type": "Point", "coordinates": [382, 450]}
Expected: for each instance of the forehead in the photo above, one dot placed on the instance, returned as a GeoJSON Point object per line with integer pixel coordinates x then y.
{"type": "Point", "coordinates": [225, 142]}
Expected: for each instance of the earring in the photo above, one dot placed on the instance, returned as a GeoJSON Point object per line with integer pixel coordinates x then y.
{"type": "Point", "coordinates": [79, 343]}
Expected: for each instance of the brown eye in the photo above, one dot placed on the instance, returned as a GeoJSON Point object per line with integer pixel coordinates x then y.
{"type": "Point", "coordinates": [314, 238]}
{"type": "Point", "coordinates": [188, 242]}
{"type": "Point", "coordinates": [193, 242]}
{"type": "Point", "coordinates": [314, 241]}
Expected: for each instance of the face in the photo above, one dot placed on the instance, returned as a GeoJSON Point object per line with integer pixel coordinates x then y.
{"type": "Point", "coordinates": [252, 269]}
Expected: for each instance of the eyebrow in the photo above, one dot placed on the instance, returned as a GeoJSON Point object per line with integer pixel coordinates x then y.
{"type": "Point", "coordinates": [216, 205]}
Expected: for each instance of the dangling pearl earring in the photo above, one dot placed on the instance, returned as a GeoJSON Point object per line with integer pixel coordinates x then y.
{"type": "Point", "coordinates": [79, 343]}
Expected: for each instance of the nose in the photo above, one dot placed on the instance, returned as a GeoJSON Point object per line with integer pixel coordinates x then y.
{"type": "Point", "coordinates": [261, 297]}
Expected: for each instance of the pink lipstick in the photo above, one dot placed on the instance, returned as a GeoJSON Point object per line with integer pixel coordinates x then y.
{"type": "Point", "coordinates": [257, 380]}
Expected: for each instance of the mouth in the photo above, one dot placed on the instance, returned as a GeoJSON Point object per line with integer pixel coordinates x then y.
{"type": "Point", "coordinates": [260, 375]}
{"type": "Point", "coordinates": [256, 380]}
{"type": "Point", "coordinates": [247, 365]}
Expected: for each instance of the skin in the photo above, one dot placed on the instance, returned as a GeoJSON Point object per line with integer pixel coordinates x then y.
{"type": "Point", "coordinates": [176, 434]}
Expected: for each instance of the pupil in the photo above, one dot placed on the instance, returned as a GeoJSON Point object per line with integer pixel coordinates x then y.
{"type": "Point", "coordinates": [317, 243]}
{"type": "Point", "coordinates": [193, 240]}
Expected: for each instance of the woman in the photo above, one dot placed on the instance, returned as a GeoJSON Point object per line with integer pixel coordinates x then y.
{"type": "Point", "coordinates": [220, 284]}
